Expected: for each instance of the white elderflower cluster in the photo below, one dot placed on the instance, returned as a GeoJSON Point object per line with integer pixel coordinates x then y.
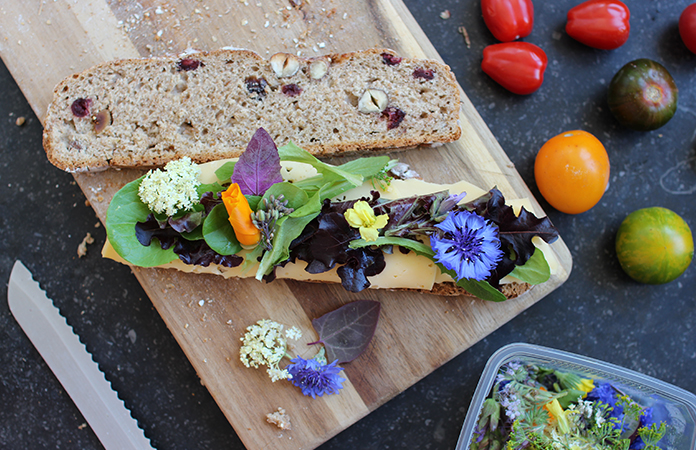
{"type": "Point", "coordinates": [264, 344]}
{"type": "Point", "coordinates": [293, 333]}
{"type": "Point", "coordinates": [171, 190]}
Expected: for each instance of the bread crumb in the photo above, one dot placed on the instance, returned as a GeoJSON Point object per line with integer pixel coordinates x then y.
{"type": "Point", "coordinates": [279, 419]}
{"type": "Point", "coordinates": [20, 121]}
{"type": "Point", "coordinates": [445, 14]}
{"type": "Point", "coordinates": [82, 248]}
{"type": "Point", "coordinates": [464, 33]}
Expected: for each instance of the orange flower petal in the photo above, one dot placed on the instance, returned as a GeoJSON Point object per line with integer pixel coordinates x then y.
{"type": "Point", "coordinates": [240, 216]}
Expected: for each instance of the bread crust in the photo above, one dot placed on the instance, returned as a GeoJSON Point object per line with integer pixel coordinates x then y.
{"type": "Point", "coordinates": [164, 108]}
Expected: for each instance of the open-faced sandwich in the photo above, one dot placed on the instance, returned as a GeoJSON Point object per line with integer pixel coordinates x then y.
{"type": "Point", "coordinates": [282, 213]}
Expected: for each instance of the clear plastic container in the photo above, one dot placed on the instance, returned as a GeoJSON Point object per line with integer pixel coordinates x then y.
{"type": "Point", "coordinates": [679, 406]}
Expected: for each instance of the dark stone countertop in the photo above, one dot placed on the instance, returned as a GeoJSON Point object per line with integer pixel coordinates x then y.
{"type": "Point", "coordinates": [598, 312]}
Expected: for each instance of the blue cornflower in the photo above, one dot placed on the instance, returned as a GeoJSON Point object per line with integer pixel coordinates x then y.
{"type": "Point", "coordinates": [467, 244]}
{"type": "Point", "coordinates": [315, 378]}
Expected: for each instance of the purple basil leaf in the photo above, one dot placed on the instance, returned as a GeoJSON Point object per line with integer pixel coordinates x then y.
{"type": "Point", "coordinates": [347, 331]}
{"type": "Point", "coordinates": [258, 167]}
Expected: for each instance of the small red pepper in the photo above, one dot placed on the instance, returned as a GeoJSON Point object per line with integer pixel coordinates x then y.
{"type": "Point", "coordinates": [687, 27]}
{"type": "Point", "coordinates": [517, 66]}
{"type": "Point", "coordinates": [602, 24]}
{"type": "Point", "coordinates": [508, 20]}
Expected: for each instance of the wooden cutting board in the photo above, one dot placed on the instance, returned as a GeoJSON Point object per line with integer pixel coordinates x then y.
{"type": "Point", "coordinates": [44, 41]}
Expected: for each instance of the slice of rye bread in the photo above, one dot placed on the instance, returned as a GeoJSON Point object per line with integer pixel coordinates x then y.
{"type": "Point", "coordinates": [207, 105]}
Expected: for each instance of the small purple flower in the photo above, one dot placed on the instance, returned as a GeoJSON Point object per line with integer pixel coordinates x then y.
{"type": "Point", "coordinates": [468, 245]}
{"type": "Point", "coordinates": [315, 378]}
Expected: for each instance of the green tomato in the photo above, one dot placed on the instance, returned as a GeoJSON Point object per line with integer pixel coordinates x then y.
{"type": "Point", "coordinates": [654, 245]}
{"type": "Point", "coordinates": [643, 95]}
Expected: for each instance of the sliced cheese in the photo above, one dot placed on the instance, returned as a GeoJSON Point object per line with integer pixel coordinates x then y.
{"type": "Point", "coordinates": [402, 271]}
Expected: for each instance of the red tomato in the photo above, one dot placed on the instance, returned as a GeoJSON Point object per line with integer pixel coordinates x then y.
{"type": "Point", "coordinates": [517, 66]}
{"type": "Point", "coordinates": [508, 20]}
{"type": "Point", "coordinates": [687, 27]}
{"type": "Point", "coordinates": [602, 24]}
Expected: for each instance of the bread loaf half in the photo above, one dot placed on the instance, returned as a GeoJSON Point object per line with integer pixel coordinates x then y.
{"type": "Point", "coordinates": [147, 112]}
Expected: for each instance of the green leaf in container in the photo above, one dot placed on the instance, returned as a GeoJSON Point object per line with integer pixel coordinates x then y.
{"type": "Point", "coordinates": [347, 331]}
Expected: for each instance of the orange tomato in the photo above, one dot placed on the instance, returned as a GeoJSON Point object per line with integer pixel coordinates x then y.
{"type": "Point", "coordinates": [572, 171]}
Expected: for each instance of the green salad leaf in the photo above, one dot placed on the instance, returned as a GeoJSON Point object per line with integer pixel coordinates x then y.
{"type": "Point", "coordinates": [291, 152]}
{"type": "Point", "coordinates": [126, 209]}
{"type": "Point", "coordinates": [481, 289]}
{"type": "Point", "coordinates": [224, 172]}
{"type": "Point", "coordinates": [535, 271]}
{"type": "Point", "coordinates": [289, 229]}
{"type": "Point", "coordinates": [295, 196]}
{"type": "Point", "coordinates": [219, 234]}
{"type": "Point", "coordinates": [418, 247]}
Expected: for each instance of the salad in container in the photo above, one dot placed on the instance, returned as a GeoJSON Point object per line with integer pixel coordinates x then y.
{"type": "Point", "coordinates": [537, 398]}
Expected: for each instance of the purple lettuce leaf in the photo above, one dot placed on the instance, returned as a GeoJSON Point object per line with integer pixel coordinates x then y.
{"type": "Point", "coordinates": [199, 253]}
{"type": "Point", "coordinates": [515, 232]}
{"type": "Point", "coordinates": [152, 228]}
{"type": "Point", "coordinates": [186, 223]}
{"type": "Point", "coordinates": [360, 264]}
{"type": "Point", "coordinates": [325, 242]}
{"type": "Point", "coordinates": [329, 244]}
{"type": "Point", "coordinates": [196, 252]}
{"type": "Point", "coordinates": [210, 200]}
{"type": "Point", "coordinates": [258, 167]}
{"type": "Point", "coordinates": [347, 331]}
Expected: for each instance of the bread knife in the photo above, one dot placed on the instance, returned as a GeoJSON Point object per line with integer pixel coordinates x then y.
{"type": "Point", "coordinates": [72, 364]}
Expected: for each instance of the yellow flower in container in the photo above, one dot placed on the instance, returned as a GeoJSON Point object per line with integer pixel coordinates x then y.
{"type": "Point", "coordinates": [362, 216]}
{"type": "Point", "coordinates": [557, 414]}
{"type": "Point", "coordinates": [240, 216]}
{"type": "Point", "coordinates": [586, 385]}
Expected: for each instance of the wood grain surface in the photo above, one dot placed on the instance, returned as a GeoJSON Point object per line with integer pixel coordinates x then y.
{"type": "Point", "coordinates": [44, 41]}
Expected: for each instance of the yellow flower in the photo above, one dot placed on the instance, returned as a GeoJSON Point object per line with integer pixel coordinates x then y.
{"type": "Point", "coordinates": [586, 385]}
{"type": "Point", "coordinates": [362, 216]}
{"type": "Point", "coordinates": [558, 415]}
{"type": "Point", "coordinates": [240, 216]}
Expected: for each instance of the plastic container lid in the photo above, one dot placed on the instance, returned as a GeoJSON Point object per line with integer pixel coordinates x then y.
{"type": "Point", "coordinates": [679, 405]}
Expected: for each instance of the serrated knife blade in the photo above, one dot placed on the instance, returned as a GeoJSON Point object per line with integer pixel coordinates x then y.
{"type": "Point", "coordinates": [72, 364]}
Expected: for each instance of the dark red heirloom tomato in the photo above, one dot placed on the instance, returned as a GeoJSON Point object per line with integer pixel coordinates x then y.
{"type": "Point", "coordinates": [508, 20]}
{"type": "Point", "coordinates": [517, 66]}
{"type": "Point", "coordinates": [687, 27]}
{"type": "Point", "coordinates": [602, 24]}
{"type": "Point", "coordinates": [643, 95]}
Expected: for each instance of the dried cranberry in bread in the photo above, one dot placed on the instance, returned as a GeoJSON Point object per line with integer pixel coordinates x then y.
{"type": "Point", "coordinates": [146, 112]}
